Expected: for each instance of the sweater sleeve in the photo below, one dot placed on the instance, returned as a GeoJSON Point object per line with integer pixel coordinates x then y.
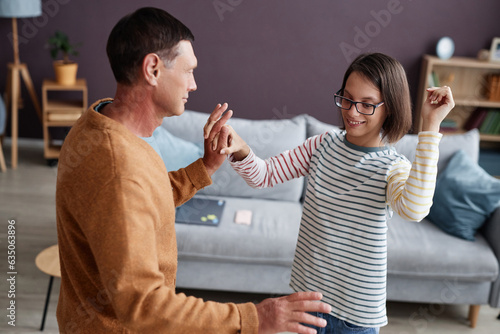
{"type": "Point", "coordinates": [410, 190]}
{"type": "Point", "coordinates": [291, 164]}
{"type": "Point", "coordinates": [187, 181]}
{"type": "Point", "coordinates": [141, 296]}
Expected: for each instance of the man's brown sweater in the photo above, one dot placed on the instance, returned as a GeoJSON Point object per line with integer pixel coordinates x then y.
{"type": "Point", "coordinates": [115, 205]}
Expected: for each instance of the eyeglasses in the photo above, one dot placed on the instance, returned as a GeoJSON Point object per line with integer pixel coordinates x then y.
{"type": "Point", "coordinates": [361, 107]}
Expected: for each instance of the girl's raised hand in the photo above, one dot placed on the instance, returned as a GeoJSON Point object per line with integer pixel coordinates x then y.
{"type": "Point", "coordinates": [220, 138]}
{"type": "Point", "coordinates": [234, 145]}
{"type": "Point", "coordinates": [438, 104]}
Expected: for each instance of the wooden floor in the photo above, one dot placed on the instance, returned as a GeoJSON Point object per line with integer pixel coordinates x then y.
{"type": "Point", "coordinates": [27, 196]}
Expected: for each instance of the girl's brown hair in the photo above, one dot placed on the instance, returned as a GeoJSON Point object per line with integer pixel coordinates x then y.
{"type": "Point", "coordinates": [388, 75]}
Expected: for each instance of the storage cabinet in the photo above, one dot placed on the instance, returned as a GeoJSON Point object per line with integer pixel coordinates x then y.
{"type": "Point", "coordinates": [62, 106]}
{"type": "Point", "coordinates": [469, 81]}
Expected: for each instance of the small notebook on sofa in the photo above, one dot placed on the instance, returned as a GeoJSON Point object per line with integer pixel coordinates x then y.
{"type": "Point", "coordinates": [201, 211]}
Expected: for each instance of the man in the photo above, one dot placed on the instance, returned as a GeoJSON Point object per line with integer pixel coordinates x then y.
{"type": "Point", "coordinates": [116, 202]}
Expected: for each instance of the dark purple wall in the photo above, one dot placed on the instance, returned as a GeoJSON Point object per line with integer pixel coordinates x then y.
{"type": "Point", "coordinates": [268, 59]}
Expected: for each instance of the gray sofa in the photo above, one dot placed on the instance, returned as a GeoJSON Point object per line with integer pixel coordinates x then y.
{"type": "Point", "coordinates": [424, 263]}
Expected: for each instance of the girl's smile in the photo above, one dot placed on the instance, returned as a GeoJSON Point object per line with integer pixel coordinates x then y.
{"type": "Point", "coordinates": [363, 130]}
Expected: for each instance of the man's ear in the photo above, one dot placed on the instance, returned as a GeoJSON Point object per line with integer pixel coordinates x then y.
{"type": "Point", "coordinates": [151, 68]}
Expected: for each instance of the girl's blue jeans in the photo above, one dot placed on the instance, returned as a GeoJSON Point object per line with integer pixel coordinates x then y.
{"type": "Point", "coordinates": [337, 326]}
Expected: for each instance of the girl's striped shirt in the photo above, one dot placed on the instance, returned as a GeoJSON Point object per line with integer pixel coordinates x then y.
{"type": "Point", "coordinates": [342, 245]}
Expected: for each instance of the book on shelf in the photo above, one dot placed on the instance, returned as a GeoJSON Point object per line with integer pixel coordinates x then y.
{"type": "Point", "coordinates": [486, 125]}
{"type": "Point", "coordinates": [496, 129]}
{"type": "Point", "coordinates": [495, 124]}
{"type": "Point", "coordinates": [487, 121]}
{"type": "Point", "coordinates": [476, 119]}
{"type": "Point", "coordinates": [448, 125]}
{"type": "Point", "coordinates": [491, 123]}
{"type": "Point", "coordinates": [495, 119]}
{"type": "Point", "coordinates": [493, 87]}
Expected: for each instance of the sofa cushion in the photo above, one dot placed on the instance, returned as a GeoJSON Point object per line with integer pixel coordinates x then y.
{"type": "Point", "coordinates": [422, 250]}
{"type": "Point", "coordinates": [469, 142]}
{"type": "Point", "coordinates": [316, 127]}
{"type": "Point", "coordinates": [266, 137]}
{"type": "Point", "coordinates": [464, 198]}
{"type": "Point", "coordinates": [269, 239]}
{"type": "Point", "coordinates": [176, 152]}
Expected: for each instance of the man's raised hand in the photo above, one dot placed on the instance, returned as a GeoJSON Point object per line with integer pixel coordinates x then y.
{"type": "Point", "coordinates": [215, 126]}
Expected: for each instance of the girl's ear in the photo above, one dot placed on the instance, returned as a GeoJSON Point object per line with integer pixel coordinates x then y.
{"type": "Point", "coordinates": [151, 68]}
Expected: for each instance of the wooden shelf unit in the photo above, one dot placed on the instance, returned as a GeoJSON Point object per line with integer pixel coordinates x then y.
{"type": "Point", "coordinates": [467, 78]}
{"type": "Point", "coordinates": [60, 112]}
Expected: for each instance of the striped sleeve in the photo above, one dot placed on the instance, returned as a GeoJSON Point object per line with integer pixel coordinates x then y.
{"type": "Point", "coordinates": [410, 191]}
{"type": "Point", "coordinates": [259, 173]}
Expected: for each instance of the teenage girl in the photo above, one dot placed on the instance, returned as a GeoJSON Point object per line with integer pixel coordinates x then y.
{"type": "Point", "coordinates": [355, 178]}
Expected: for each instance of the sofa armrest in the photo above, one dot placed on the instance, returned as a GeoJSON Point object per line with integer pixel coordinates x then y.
{"type": "Point", "coordinates": [491, 232]}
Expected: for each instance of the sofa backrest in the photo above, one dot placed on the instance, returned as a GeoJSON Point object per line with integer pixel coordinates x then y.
{"type": "Point", "coordinates": [316, 127]}
{"type": "Point", "coordinates": [266, 137]}
{"type": "Point", "coordinates": [449, 145]}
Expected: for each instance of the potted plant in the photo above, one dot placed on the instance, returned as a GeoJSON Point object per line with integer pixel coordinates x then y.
{"type": "Point", "coordinates": [65, 69]}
